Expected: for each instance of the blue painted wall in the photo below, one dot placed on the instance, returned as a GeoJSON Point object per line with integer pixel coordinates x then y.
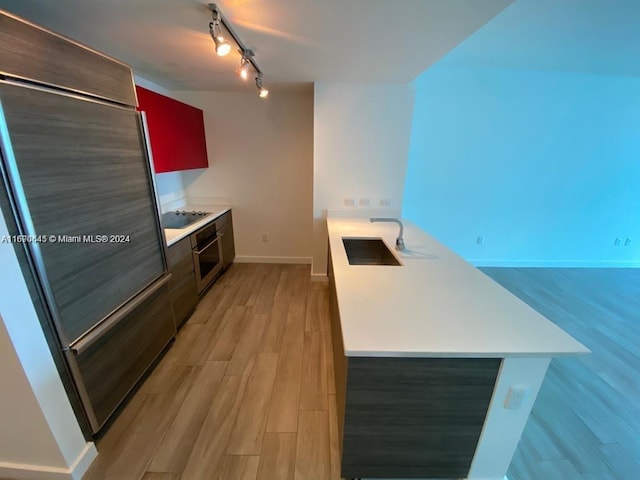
{"type": "Point", "coordinates": [544, 166]}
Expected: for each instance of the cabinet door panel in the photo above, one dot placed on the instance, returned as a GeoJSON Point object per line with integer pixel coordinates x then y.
{"type": "Point", "coordinates": [184, 298]}
{"type": "Point", "coordinates": [176, 132]}
{"type": "Point", "coordinates": [180, 261]}
{"type": "Point", "coordinates": [30, 52]}
{"type": "Point", "coordinates": [415, 417]}
{"type": "Point", "coordinates": [225, 226]}
{"type": "Point", "coordinates": [179, 252]}
{"type": "Point", "coordinates": [181, 271]}
{"type": "Point", "coordinates": [113, 364]}
{"type": "Point", "coordinates": [84, 172]}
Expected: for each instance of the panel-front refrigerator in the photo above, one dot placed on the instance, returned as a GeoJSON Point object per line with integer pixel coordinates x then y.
{"type": "Point", "coordinates": [79, 185]}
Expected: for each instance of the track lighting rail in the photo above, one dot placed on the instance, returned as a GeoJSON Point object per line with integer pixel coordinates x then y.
{"type": "Point", "coordinates": [219, 20]}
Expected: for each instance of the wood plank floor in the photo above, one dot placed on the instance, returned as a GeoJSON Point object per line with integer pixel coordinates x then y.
{"type": "Point", "coordinates": [244, 393]}
{"type": "Point", "coordinates": [585, 423]}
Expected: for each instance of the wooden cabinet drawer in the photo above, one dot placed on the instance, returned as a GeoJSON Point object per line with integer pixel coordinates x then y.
{"type": "Point", "coordinates": [180, 260]}
{"type": "Point", "coordinates": [33, 53]}
{"type": "Point", "coordinates": [112, 364]}
{"type": "Point", "coordinates": [180, 272]}
{"type": "Point", "coordinates": [224, 218]}
{"type": "Point", "coordinates": [179, 252]}
{"type": "Point", "coordinates": [184, 291]}
{"type": "Point", "coordinates": [184, 298]}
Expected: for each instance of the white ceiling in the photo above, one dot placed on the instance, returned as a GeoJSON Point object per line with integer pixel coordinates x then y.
{"type": "Point", "coordinates": [296, 41]}
{"type": "Point", "coordinates": [584, 36]}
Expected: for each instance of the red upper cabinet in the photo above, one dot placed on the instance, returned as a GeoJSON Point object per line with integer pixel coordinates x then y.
{"type": "Point", "coordinates": [176, 132]}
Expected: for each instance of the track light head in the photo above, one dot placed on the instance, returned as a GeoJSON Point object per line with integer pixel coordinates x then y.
{"type": "Point", "coordinates": [262, 92]}
{"type": "Point", "coordinates": [245, 64]}
{"type": "Point", "coordinates": [244, 70]}
{"type": "Point", "coordinates": [222, 46]}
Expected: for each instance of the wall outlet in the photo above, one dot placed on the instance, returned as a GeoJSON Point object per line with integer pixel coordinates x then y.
{"type": "Point", "coordinates": [386, 203]}
{"type": "Point", "coordinates": [627, 242]}
{"type": "Point", "coordinates": [616, 242]}
{"type": "Point", "coordinates": [515, 397]}
{"type": "Point", "coordinates": [350, 202]}
{"type": "Point", "coordinates": [265, 237]}
{"type": "Point", "coordinates": [479, 240]}
{"type": "Point", "coordinates": [365, 202]}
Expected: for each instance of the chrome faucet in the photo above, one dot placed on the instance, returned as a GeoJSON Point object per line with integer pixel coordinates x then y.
{"type": "Point", "coordinates": [399, 240]}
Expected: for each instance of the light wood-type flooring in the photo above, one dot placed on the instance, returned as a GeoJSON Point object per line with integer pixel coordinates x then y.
{"type": "Point", "coordinates": [246, 392]}
{"type": "Point", "coordinates": [585, 424]}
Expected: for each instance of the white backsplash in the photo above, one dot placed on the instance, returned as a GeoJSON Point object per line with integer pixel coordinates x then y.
{"type": "Point", "coordinates": [170, 190]}
{"type": "Point", "coordinates": [198, 200]}
{"type": "Point", "coordinates": [176, 204]}
{"type": "Point", "coordinates": [172, 195]}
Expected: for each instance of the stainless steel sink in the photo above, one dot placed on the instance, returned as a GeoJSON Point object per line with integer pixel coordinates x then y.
{"type": "Point", "coordinates": [368, 251]}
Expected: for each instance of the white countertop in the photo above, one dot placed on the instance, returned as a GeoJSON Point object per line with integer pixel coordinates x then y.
{"type": "Point", "coordinates": [173, 235]}
{"type": "Point", "coordinates": [434, 305]}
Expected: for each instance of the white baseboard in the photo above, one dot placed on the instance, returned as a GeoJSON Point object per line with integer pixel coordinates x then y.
{"type": "Point", "coordinates": [20, 471]}
{"type": "Point", "coordinates": [84, 461]}
{"type": "Point", "coordinates": [554, 263]}
{"type": "Point", "coordinates": [319, 277]}
{"type": "Point", "coordinates": [259, 259]}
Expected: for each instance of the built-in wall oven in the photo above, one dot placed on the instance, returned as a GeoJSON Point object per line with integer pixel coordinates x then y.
{"type": "Point", "coordinates": [207, 255]}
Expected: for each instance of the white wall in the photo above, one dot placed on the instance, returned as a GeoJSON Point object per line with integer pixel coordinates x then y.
{"type": "Point", "coordinates": [24, 436]}
{"type": "Point", "coordinates": [260, 161]}
{"type": "Point", "coordinates": [39, 434]}
{"type": "Point", "coordinates": [361, 142]}
{"type": "Point", "coordinates": [542, 165]}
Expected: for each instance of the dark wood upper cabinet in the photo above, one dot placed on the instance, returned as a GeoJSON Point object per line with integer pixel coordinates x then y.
{"type": "Point", "coordinates": [176, 132]}
{"type": "Point", "coordinates": [31, 52]}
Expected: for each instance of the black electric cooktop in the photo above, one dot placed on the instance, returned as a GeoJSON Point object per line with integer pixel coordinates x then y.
{"type": "Point", "coordinates": [181, 218]}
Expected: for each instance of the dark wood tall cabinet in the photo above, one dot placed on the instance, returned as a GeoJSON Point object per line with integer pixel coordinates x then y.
{"type": "Point", "coordinates": [76, 175]}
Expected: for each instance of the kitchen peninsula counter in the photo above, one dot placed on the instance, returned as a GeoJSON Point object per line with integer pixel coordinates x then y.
{"type": "Point", "coordinates": [437, 366]}
{"type": "Point", "coordinates": [434, 305]}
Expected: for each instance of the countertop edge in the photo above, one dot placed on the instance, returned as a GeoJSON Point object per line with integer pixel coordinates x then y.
{"type": "Point", "coordinates": [344, 284]}
{"type": "Point", "coordinates": [174, 235]}
{"type": "Point", "coordinates": [452, 354]}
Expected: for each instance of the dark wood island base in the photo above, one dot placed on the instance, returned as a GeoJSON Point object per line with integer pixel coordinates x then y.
{"type": "Point", "coordinates": [408, 417]}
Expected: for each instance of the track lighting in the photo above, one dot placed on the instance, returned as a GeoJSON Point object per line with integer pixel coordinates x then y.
{"type": "Point", "coordinates": [223, 48]}
{"type": "Point", "coordinates": [245, 64]}
{"type": "Point", "coordinates": [263, 92]}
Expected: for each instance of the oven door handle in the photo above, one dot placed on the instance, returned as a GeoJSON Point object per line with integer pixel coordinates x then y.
{"type": "Point", "coordinates": [218, 237]}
